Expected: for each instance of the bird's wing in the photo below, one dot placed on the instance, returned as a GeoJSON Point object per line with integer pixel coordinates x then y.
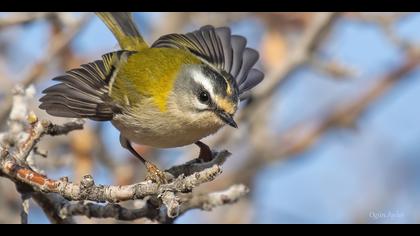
{"type": "Point", "coordinates": [124, 29]}
{"type": "Point", "coordinates": [222, 50]}
{"type": "Point", "coordinates": [83, 92]}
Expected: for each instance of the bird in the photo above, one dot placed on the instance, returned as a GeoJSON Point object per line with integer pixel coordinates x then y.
{"type": "Point", "coordinates": [173, 93]}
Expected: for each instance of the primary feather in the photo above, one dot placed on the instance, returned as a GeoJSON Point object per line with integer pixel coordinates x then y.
{"type": "Point", "coordinates": [220, 49]}
{"type": "Point", "coordinates": [84, 91]}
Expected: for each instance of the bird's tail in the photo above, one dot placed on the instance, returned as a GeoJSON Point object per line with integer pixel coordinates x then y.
{"type": "Point", "coordinates": [124, 29]}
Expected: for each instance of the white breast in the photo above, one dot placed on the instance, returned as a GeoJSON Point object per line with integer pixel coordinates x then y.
{"type": "Point", "coordinates": [163, 130]}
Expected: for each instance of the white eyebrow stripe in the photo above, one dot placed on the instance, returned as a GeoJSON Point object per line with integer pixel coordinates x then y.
{"type": "Point", "coordinates": [200, 78]}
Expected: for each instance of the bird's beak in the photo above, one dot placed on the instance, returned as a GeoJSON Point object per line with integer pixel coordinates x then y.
{"type": "Point", "coordinates": [227, 118]}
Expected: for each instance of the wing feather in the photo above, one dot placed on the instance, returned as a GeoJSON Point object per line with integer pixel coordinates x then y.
{"type": "Point", "coordinates": [222, 50]}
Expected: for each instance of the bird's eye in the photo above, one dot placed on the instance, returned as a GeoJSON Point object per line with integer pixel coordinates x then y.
{"type": "Point", "coordinates": [204, 97]}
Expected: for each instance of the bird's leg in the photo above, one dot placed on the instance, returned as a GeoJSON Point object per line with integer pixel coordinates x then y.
{"type": "Point", "coordinates": [153, 172]}
{"type": "Point", "coordinates": [206, 154]}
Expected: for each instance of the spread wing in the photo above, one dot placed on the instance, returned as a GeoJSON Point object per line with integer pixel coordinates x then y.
{"type": "Point", "coordinates": [222, 50]}
{"type": "Point", "coordinates": [83, 92]}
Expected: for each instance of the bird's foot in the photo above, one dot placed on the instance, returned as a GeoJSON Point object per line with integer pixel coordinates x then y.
{"type": "Point", "coordinates": [154, 174]}
{"type": "Point", "coordinates": [206, 155]}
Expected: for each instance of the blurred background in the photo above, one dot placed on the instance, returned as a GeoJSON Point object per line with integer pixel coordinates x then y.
{"type": "Point", "coordinates": [332, 135]}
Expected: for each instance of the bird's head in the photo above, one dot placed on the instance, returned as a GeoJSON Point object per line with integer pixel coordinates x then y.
{"type": "Point", "coordinates": [210, 91]}
{"type": "Point", "coordinates": [205, 94]}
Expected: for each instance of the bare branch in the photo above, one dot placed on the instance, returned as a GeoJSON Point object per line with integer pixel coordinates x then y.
{"type": "Point", "coordinates": [66, 128]}
{"type": "Point", "coordinates": [92, 210]}
{"type": "Point", "coordinates": [40, 128]}
{"type": "Point", "coordinates": [87, 190]}
{"type": "Point", "coordinates": [334, 69]}
{"type": "Point", "coordinates": [176, 205]}
{"type": "Point", "coordinates": [196, 165]}
{"type": "Point", "coordinates": [51, 204]}
{"type": "Point", "coordinates": [53, 195]}
{"type": "Point", "coordinates": [211, 200]}
{"type": "Point", "coordinates": [25, 208]}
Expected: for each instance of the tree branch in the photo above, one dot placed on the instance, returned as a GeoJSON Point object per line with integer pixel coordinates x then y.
{"type": "Point", "coordinates": [92, 210]}
{"type": "Point", "coordinates": [87, 190]}
{"type": "Point", "coordinates": [54, 195]}
{"type": "Point", "coordinates": [51, 204]}
{"type": "Point", "coordinates": [211, 200]}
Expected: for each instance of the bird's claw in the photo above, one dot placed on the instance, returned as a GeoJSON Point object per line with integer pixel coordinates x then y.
{"type": "Point", "coordinates": [155, 175]}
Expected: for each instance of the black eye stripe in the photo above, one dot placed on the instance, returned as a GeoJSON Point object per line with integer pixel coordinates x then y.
{"type": "Point", "coordinates": [215, 84]}
{"type": "Point", "coordinates": [220, 80]}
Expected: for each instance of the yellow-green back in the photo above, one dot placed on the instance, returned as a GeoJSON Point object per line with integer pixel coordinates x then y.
{"type": "Point", "coordinates": [150, 73]}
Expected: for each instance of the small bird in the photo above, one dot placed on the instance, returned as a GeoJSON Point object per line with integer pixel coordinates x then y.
{"type": "Point", "coordinates": [179, 90]}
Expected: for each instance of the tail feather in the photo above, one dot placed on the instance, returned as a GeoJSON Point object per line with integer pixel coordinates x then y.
{"type": "Point", "coordinates": [124, 29]}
